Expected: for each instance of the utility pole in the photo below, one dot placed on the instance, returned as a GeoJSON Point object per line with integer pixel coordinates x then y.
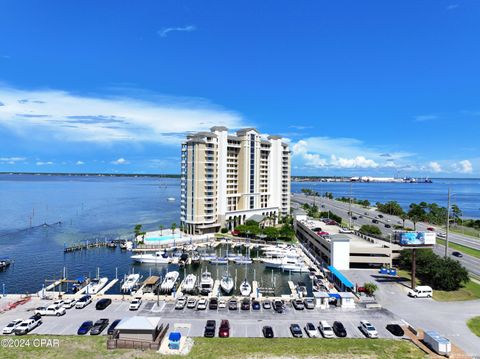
{"type": "Point", "coordinates": [414, 267]}
{"type": "Point", "coordinates": [350, 208]}
{"type": "Point", "coordinates": [448, 224]}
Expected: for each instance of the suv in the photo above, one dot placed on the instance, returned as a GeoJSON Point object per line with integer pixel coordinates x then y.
{"type": "Point", "coordinates": [309, 303]}
{"type": "Point", "coordinates": [180, 304]}
{"type": "Point", "coordinates": [213, 304]}
{"type": "Point", "coordinates": [298, 304]}
{"type": "Point", "coordinates": [368, 329]}
{"type": "Point", "coordinates": [245, 304]}
{"type": "Point", "coordinates": [57, 310]}
{"type": "Point", "coordinates": [278, 306]}
{"type": "Point", "coordinates": [135, 304]}
{"type": "Point", "coordinates": [224, 330]}
{"type": "Point", "coordinates": [267, 331]}
{"type": "Point", "coordinates": [99, 326]}
{"type": "Point", "coordinates": [83, 302]}
{"type": "Point", "coordinates": [232, 304]}
{"type": "Point", "coordinates": [210, 329]}
{"type": "Point", "coordinates": [296, 331]}
{"type": "Point", "coordinates": [326, 329]}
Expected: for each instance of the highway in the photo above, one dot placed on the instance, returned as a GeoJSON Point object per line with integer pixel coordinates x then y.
{"type": "Point", "coordinates": [365, 216]}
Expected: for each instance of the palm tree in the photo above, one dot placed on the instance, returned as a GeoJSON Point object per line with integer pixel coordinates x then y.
{"type": "Point", "coordinates": [403, 217]}
{"type": "Point", "coordinates": [173, 227]}
{"type": "Point", "coordinates": [137, 230]}
{"type": "Point", "coordinates": [161, 228]}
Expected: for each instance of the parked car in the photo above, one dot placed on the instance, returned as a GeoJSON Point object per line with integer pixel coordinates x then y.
{"type": "Point", "coordinates": [431, 229]}
{"type": "Point", "coordinates": [421, 291]}
{"type": "Point", "coordinates": [395, 329]}
{"type": "Point", "coordinates": [180, 304]}
{"type": "Point", "coordinates": [103, 303]}
{"type": "Point", "coordinates": [298, 304]}
{"type": "Point", "coordinates": [311, 330]}
{"type": "Point", "coordinates": [354, 218]}
{"type": "Point", "coordinates": [192, 303]}
{"type": "Point", "coordinates": [339, 329]}
{"type": "Point", "coordinates": [28, 325]}
{"type": "Point", "coordinates": [457, 254]}
{"type": "Point", "coordinates": [83, 302]}
{"type": "Point", "coordinates": [256, 305]}
{"type": "Point", "coordinates": [267, 332]}
{"type": "Point", "coordinates": [309, 303]}
{"type": "Point", "coordinates": [111, 328]}
{"type": "Point", "coordinates": [224, 330]}
{"type": "Point", "coordinates": [441, 235]}
{"type": "Point", "coordinates": [296, 331]}
{"type": "Point", "coordinates": [326, 329]}
{"type": "Point", "coordinates": [267, 304]}
{"type": "Point", "coordinates": [135, 304]}
{"type": "Point", "coordinates": [232, 304]}
{"type": "Point", "coordinates": [278, 306]}
{"type": "Point", "coordinates": [213, 304]}
{"type": "Point", "coordinates": [222, 303]}
{"type": "Point", "coordinates": [99, 326]}
{"type": "Point", "coordinates": [374, 220]}
{"type": "Point", "coordinates": [69, 303]}
{"type": "Point", "coordinates": [55, 310]}
{"type": "Point", "coordinates": [59, 302]}
{"type": "Point", "coordinates": [202, 304]}
{"type": "Point", "coordinates": [380, 216]}
{"type": "Point", "coordinates": [85, 327]}
{"type": "Point", "coordinates": [368, 329]}
{"type": "Point", "coordinates": [10, 327]}
{"type": "Point", "coordinates": [210, 329]}
{"type": "Point", "coordinates": [245, 304]}
{"type": "Point", "coordinates": [387, 225]}
{"type": "Point", "coordinates": [40, 310]}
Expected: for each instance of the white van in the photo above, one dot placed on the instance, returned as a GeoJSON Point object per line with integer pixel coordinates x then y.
{"type": "Point", "coordinates": [422, 291]}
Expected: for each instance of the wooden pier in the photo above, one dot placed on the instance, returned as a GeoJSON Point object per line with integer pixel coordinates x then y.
{"type": "Point", "coordinates": [88, 245]}
{"type": "Point", "coordinates": [107, 287]}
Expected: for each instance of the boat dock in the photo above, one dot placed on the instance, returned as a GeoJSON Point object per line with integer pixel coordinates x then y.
{"type": "Point", "coordinates": [254, 289]}
{"type": "Point", "coordinates": [293, 289]}
{"type": "Point", "coordinates": [88, 245]}
{"type": "Point", "coordinates": [216, 289]}
{"type": "Point", "coordinates": [108, 286]}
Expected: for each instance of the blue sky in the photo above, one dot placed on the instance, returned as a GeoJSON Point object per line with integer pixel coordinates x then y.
{"type": "Point", "coordinates": [357, 87]}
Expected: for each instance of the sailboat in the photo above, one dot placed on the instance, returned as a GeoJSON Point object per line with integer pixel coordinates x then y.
{"type": "Point", "coordinates": [226, 283]}
{"type": "Point", "coordinates": [245, 288]}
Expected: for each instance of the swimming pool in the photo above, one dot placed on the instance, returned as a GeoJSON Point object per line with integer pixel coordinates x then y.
{"type": "Point", "coordinates": [168, 237]}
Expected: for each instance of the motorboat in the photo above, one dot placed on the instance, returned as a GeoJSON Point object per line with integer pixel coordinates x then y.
{"type": "Point", "coordinates": [123, 245]}
{"type": "Point", "coordinates": [208, 256]}
{"type": "Point", "coordinates": [294, 266]}
{"type": "Point", "coordinates": [226, 283]}
{"type": "Point", "coordinates": [206, 283]}
{"type": "Point", "coordinates": [243, 260]}
{"type": "Point", "coordinates": [171, 199]}
{"type": "Point", "coordinates": [219, 260]}
{"type": "Point", "coordinates": [156, 258]}
{"type": "Point", "coordinates": [195, 257]}
{"type": "Point", "coordinates": [169, 282]}
{"type": "Point", "coordinates": [96, 285]}
{"type": "Point", "coordinates": [5, 262]}
{"type": "Point", "coordinates": [245, 288]}
{"type": "Point", "coordinates": [128, 245]}
{"type": "Point", "coordinates": [302, 289]}
{"type": "Point", "coordinates": [130, 282]}
{"type": "Point", "coordinates": [188, 284]}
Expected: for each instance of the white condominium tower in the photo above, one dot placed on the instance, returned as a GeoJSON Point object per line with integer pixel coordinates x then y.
{"type": "Point", "coordinates": [228, 179]}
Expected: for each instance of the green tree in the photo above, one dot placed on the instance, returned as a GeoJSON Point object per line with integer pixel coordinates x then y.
{"type": "Point", "coordinates": [173, 227]}
{"type": "Point", "coordinates": [161, 227]}
{"type": "Point", "coordinates": [370, 288]}
{"type": "Point", "coordinates": [271, 232]}
{"type": "Point", "coordinates": [403, 217]}
{"type": "Point", "coordinates": [370, 229]}
{"type": "Point", "coordinates": [390, 207]}
{"type": "Point", "coordinates": [286, 232]}
{"type": "Point", "coordinates": [456, 214]}
{"type": "Point", "coordinates": [137, 230]}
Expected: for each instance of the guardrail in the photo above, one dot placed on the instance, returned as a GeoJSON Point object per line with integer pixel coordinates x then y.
{"type": "Point", "coordinates": [115, 343]}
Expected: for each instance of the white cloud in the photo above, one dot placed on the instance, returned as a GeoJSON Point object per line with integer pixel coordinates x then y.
{"type": "Point", "coordinates": [465, 166]}
{"type": "Point", "coordinates": [435, 167]}
{"type": "Point", "coordinates": [11, 160]}
{"type": "Point", "coordinates": [356, 162]}
{"type": "Point", "coordinates": [164, 32]}
{"type": "Point", "coordinates": [423, 118]}
{"type": "Point", "coordinates": [59, 115]}
{"type": "Point", "coordinates": [41, 163]}
{"type": "Point", "coordinates": [79, 163]}
{"type": "Point", "coordinates": [120, 161]}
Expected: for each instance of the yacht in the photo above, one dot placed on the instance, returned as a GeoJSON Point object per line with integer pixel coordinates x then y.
{"type": "Point", "coordinates": [195, 257]}
{"type": "Point", "coordinates": [294, 266]}
{"type": "Point", "coordinates": [169, 282]}
{"type": "Point", "coordinates": [219, 260]}
{"type": "Point", "coordinates": [130, 282]}
{"type": "Point", "coordinates": [245, 288]}
{"type": "Point", "coordinates": [188, 284]}
{"type": "Point", "coordinates": [157, 258]}
{"type": "Point", "coordinates": [206, 283]}
{"type": "Point", "coordinates": [128, 245]}
{"type": "Point", "coordinates": [226, 283]}
{"type": "Point", "coordinates": [243, 260]}
{"type": "Point", "coordinates": [96, 285]}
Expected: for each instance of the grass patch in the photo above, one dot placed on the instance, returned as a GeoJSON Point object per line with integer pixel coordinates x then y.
{"type": "Point", "coordinates": [460, 248]}
{"type": "Point", "coordinates": [474, 325]}
{"type": "Point", "coordinates": [467, 231]}
{"type": "Point", "coordinates": [469, 291]}
{"type": "Point", "coordinates": [73, 347]}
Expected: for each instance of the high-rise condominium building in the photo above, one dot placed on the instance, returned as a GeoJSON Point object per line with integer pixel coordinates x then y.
{"type": "Point", "coordinates": [227, 179]}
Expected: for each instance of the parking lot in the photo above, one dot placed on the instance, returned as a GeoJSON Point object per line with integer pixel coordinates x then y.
{"type": "Point", "coordinates": [243, 323]}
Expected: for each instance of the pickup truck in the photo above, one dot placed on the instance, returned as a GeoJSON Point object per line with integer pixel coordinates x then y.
{"type": "Point", "coordinates": [56, 310]}
{"type": "Point", "coordinates": [28, 325]}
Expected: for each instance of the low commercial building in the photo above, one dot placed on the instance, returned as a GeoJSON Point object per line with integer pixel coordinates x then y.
{"type": "Point", "coordinates": [343, 251]}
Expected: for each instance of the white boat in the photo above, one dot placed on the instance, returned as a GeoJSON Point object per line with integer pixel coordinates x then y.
{"type": "Point", "coordinates": [169, 282]}
{"type": "Point", "coordinates": [171, 199]}
{"type": "Point", "coordinates": [206, 283]}
{"type": "Point", "coordinates": [294, 266]}
{"type": "Point", "coordinates": [128, 245]}
{"type": "Point", "coordinates": [243, 260]}
{"type": "Point", "coordinates": [196, 257]}
{"type": "Point", "coordinates": [245, 288]}
{"type": "Point", "coordinates": [96, 285]}
{"type": "Point", "coordinates": [188, 284]}
{"type": "Point", "coordinates": [219, 260]}
{"type": "Point", "coordinates": [157, 258]}
{"type": "Point", "coordinates": [226, 283]}
{"type": "Point", "coordinates": [130, 282]}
